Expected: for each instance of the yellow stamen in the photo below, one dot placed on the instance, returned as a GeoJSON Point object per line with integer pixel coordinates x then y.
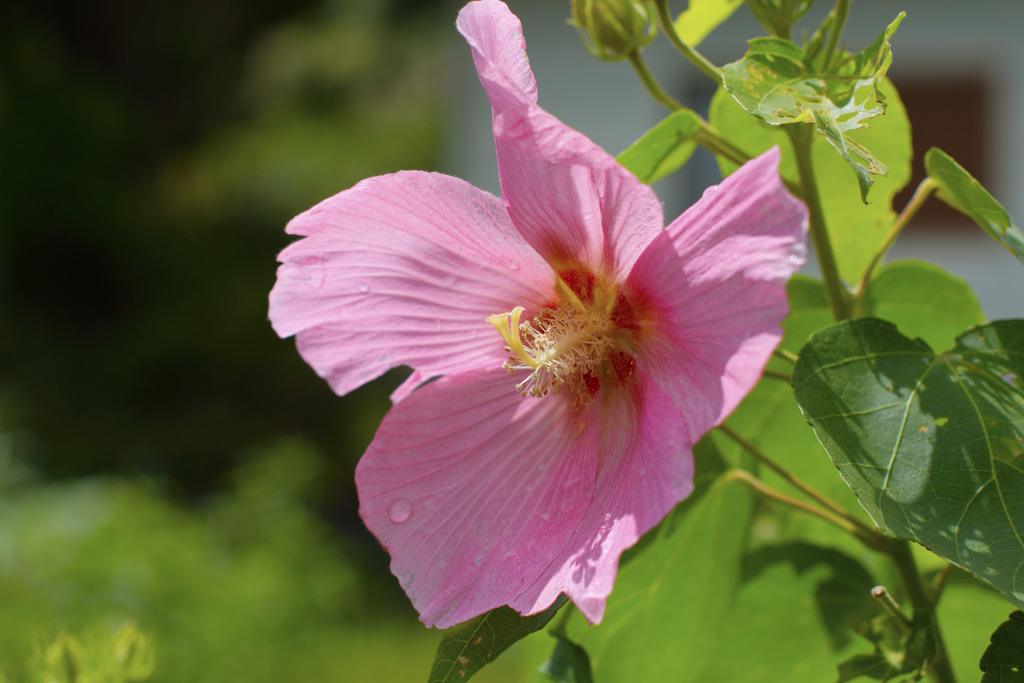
{"type": "Point", "coordinates": [558, 346]}
{"type": "Point", "coordinates": [507, 325]}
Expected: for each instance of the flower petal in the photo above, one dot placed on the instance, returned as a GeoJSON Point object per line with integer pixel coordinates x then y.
{"type": "Point", "coordinates": [499, 49]}
{"type": "Point", "coordinates": [472, 490]}
{"type": "Point", "coordinates": [646, 468]}
{"type": "Point", "coordinates": [716, 279]}
{"type": "Point", "coordinates": [403, 269]}
{"type": "Point", "coordinates": [568, 197]}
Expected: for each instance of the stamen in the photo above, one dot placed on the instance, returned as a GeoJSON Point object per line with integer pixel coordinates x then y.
{"type": "Point", "coordinates": [567, 344]}
{"type": "Point", "coordinates": [507, 325]}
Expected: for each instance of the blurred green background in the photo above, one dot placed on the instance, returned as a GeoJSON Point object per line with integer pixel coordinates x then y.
{"type": "Point", "coordinates": [164, 458]}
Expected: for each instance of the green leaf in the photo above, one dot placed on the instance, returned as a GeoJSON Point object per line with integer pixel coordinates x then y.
{"type": "Point", "coordinates": [674, 590]}
{"type": "Point", "coordinates": [969, 611]}
{"type": "Point", "coordinates": [664, 148]}
{"type": "Point", "coordinates": [701, 17]}
{"type": "Point", "coordinates": [931, 444]}
{"type": "Point", "coordinates": [923, 300]}
{"type": "Point", "coordinates": [569, 663]}
{"type": "Point", "coordinates": [854, 228]}
{"type": "Point", "coordinates": [965, 194]}
{"type": "Point", "coordinates": [899, 648]}
{"type": "Point", "coordinates": [775, 631]}
{"type": "Point", "coordinates": [473, 645]}
{"type": "Point", "coordinates": [777, 83]}
{"type": "Point", "coordinates": [770, 419]}
{"type": "Point", "coordinates": [842, 596]}
{"type": "Point", "coordinates": [1003, 661]}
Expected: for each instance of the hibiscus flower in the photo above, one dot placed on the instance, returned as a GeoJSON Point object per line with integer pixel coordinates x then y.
{"type": "Point", "coordinates": [578, 349]}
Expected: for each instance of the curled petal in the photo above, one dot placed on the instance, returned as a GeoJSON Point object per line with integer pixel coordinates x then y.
{"type": "Point", "coordinates": [716, 281]}
{"type": "Point", "coordinates": [568, 197]}
{"type": "Point", "coordinates": [403, 269]}
{"type": "Point", "coordinates": [499, 49]}
{"type": "Point", "coordinates": [474, 491]}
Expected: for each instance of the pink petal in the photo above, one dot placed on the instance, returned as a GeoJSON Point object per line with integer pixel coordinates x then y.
{"type": "Point", "coordinates": [473, 491]}
{"type": "Point", "coordinates": [403, 269]}
{"type": "Point", "coordinates": [568, 197]}
{"type": "Point", "coordinates": [499, 49]}
{"type": "Point", "coordinates": [646, 468]}
{"type": "Point", "coordinates": [716, 279]}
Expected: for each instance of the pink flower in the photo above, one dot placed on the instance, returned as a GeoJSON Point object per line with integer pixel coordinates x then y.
{"type": "Point", "coordinates": [549, 446]}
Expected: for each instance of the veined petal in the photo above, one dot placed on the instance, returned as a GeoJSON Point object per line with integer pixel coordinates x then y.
{"type": "Point", "coordinates": [568, 197]}
{"type": "Point", "coordinates": [645, 468]}
{"type": "Point", "coordinates": [499, 49]}
{"type": "Point", "coordinates": [403, 269]}
{"type": "Point", "coordinates": [716, 282]}
{"type": "Point", "coordinates": [473, 491]}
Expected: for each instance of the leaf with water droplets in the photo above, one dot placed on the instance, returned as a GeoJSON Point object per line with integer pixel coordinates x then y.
{"type": "Point", "coordinates": [471, 646]}
{"type": "Point", "coordinates": [932, 444]}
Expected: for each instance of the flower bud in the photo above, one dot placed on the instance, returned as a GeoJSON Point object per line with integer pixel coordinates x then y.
{"type": "Point", "coordinates": [612, 29]}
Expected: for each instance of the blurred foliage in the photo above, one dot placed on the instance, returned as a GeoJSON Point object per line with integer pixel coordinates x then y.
{"type": "Point", "coordinates": [99, 657]}
{"type": "Point", "coordinates": [165, 459]}
{"type": "Point", "coordinates": [254, 587]}
{"type": "Point", "coordinates": [152, 154]}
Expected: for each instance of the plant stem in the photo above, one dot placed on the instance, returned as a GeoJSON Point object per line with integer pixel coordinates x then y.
{"type": "Point", "coordinates": [695, 57]}
{"type": "Point", "coordinates": [707, 137]}
{"type": "Point", "coordinates": [652, 85]}
{"type": "Point", "coordinates": [711, 140]}
{"type": "Point", "coordinates": [923, 191]}
{"type": "Point", "coordinates": [849, 522]}
{"type": "Point", "coordinates": [841, 12]}
{"type": "Point", "coordinates": [775, 374]}
{"type": "Point", "coordinates": [900, 551]}
{"type": "Point", "coordinates": [763, 489]}
{"type": "Point", "coordinates": [801, 136]}
{"type": "Point", "coordinates": [883, 597]}
{"type": "Point", "coordinates": [940, 582]}
{"type": "Point", "coordinates": [785, 355]}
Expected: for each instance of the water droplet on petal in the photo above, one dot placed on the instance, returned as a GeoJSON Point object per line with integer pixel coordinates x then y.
{"type": "Point", "coordinates": [363, 287]}
{"type": "Point", "coordinates": [400, 511]}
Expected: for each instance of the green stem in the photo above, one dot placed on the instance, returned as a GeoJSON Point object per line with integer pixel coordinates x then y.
{"type": "Point", "coordinates": [883, 597]}
{"type": "Point", "coordinates": [766, 491]}
{"type": "Point", "coordinates": [923, 191]}
{"type": "Point", "coordinates": [713, 141]}
{"type": "Point", "coordinates": [652, 85]}
{"type": "Point", "coordinates": [695, 57]}
{"type": "Point", "coordinates": [785, 355]}
{"type": "Point", "coordinates": [841, 12]}
{"type": "Point", "coordinates": [801, 136]}
{"type": "Point", "coordinates": [902, 554]}
{"type": "Point", "coordinates": [707, 137]}
{"type": "Point", "coordinates": [775, 374]}
{"type": "Point", "coordinates": [851, 523]}
{"type": "Point", "coordinates": [939, 584]}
